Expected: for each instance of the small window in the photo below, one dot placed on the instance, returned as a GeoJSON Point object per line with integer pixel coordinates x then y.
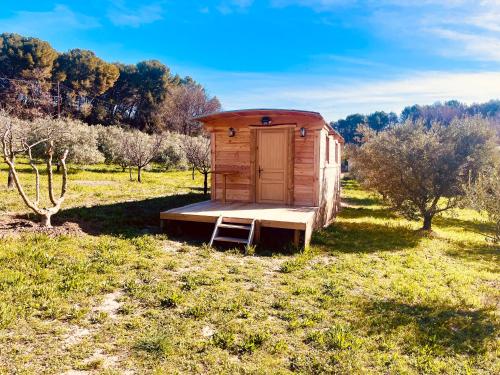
{"type": "Point", "coordinates": [336, 152]}
{"type": "Point", "coordinates": [327, 153]}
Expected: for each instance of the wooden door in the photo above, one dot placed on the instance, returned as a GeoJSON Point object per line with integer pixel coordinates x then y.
{"type": "Point", "coordinates": [272, 166]}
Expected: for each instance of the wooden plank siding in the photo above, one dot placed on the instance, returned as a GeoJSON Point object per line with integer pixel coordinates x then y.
{"type": "Point", "coordinates": [312, 181]}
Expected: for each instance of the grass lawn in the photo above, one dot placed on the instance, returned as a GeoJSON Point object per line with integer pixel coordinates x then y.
{"type": "Point", "coordinates": [371, 295]}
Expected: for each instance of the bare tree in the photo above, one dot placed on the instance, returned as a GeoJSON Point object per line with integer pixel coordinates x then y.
{"type": "Point", "coordinates": [39, 134]}
{"type": "Point", "coordinates": [182, 105]}
{"type": "Point", "coordinates": [197, 150]}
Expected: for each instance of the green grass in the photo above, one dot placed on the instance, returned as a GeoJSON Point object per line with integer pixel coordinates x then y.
{"type": "Point", "coordinates": [371, 295]}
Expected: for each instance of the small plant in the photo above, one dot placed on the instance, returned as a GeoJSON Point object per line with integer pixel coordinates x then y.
{"type": "Point", "coordinates": [253, 342]}
{"type": "Point", "coordinates": [224, 340]}
{"type": "Point", "coordinates": [98, 317]}
{"type": "Point", "coordinates": [337, 337]}
{"type": "Point", "coordinates": [250, 250]}
{"type": "Point", "coordinates": [171, 300]}
{"type": "Point", "coordinates": [197, 311]}
{"type": "Point", "coordinates": [159, 346]}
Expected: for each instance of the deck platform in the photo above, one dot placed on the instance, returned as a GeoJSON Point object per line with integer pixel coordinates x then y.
{"type": "Point", "coordinates": [297, 218]}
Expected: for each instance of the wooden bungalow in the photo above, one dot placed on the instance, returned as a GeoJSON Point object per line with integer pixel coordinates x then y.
{"type": "Point", "coordinates": [272, 168]}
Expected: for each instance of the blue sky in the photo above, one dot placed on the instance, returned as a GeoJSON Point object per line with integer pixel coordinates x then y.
{"type": "Point", "coordinates": [333, 56]}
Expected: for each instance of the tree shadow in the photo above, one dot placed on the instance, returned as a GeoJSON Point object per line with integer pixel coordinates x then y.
{"type": "Point", "coordinates": [469, 225]}
{"type": "Point", "coordinates": [489, 253]}
{"type": "Point", "coordinates": [361, 201]}
{"type": "Point", "coordinates": [128, 219]}
{"type": "Point", "coordinates": [365, 237]}
{"type": "Point", "coordinates": [438, 327]}
{"type": "Point", "coordinates": [360, 212]}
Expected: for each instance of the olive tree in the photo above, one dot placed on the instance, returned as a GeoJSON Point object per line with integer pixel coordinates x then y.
{"type": "Point", "coordinates": [172, 155]}
{"type": "Point", "coordinates": [79, 138]}
{"type": "Point", "coordinates": [111, 142]}
{"type": "Point", "coordinates": [130, 148]}
{"type": "Point", "coordinates": [141, 148]}
{"type": "Point", "coordinates": [22, 138]}
{"type": "Point", "coordinates": [421, 170]}
{"type": "Point", "coordinates": [484, 195]}
{"type": "Point", "coordinates": [197, 151]}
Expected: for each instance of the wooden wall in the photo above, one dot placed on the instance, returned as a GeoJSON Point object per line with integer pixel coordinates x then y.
{"type": "Point", "coordinates": [329, 178]}
{"type": "Point", "coordinates": [305, 173]}
{"type": "Point", "coordinates": [232, 154]}
{"type": "Point", "coordinates": [316, 181]}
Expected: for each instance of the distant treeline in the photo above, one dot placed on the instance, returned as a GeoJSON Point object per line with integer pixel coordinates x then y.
{"type": "Point", "coordinates": [37, 80]}
{"type": "Point", "coordinates": [439, 112]}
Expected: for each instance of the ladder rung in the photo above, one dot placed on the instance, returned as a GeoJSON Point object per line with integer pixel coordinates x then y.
{"type": "Point", "coordinates": [231, 239]}
{"type": "Point", "coordinates": [235, 226]}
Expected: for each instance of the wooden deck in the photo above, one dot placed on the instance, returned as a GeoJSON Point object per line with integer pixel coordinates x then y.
{"type": "Point", "coordinates": [299, 219]}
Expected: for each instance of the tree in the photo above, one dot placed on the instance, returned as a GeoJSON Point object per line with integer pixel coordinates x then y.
{"type": "Point", "coordinates": [130, 148]}
{"type": "Point", "coordinates": [197, 151]}
{"type": "Point", "coordinates": [172, 156]}
{"type": "Point", "coordinates": [112, 143]}
{"type": "Point", "coordinates": [86, 76]}
{"type": "Point", "coordinates": [347, 128]}
{"type": "Point", "coordinates": [26, 57]}
{"type": "Point", "coordinates": [141, 149]}
{"type": "Point", "coordinates": [183, 104]}
{"type": "Point", "coordinates": [380, 120]}
{"type": "Point", "coordinates": [484, 195]}
{"type": "Point", "coordinates": [31, 135]}
{"type": "Point", "coordinates": [25, 72]}
{"type": "Point", "coordinates": [420, 170]}
{"type": "Point", "coordinates": [80, 139]}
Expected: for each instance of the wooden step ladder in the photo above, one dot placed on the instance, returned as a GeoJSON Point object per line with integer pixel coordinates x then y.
{"type": "Point", "coordinates": [247, 225]}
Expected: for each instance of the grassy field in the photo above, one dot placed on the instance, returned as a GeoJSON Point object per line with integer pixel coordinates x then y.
{"type": "Point", "coordinates": [371, 295]}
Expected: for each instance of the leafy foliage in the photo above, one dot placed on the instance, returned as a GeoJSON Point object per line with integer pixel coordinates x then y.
{"type": "Point", "coordinates": [414, 166]}
{"type": "Point", "coordinates": [36, 80]}
{"type": "Point", "coordinates": [484, 195]}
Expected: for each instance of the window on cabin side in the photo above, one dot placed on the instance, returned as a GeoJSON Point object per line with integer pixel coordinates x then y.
{"type": "Point", "coordinates": [336, 152]}
{"type": "Point", "coordinates": [327, 153]}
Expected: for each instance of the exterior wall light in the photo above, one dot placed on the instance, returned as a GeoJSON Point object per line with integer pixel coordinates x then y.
{"type": "Point", "coordinates": [266, 120]}
{"type": "Point", "coordinates": [231, 132]}
{"type": "Point", "coordinates": [302, 132]}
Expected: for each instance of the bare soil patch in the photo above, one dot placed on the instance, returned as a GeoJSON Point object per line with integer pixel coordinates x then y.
{"type": "Point", "coordinates": [13, 225]}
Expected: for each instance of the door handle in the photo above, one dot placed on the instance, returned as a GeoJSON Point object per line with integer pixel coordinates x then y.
{"type": "Point", "coordinates": [260, 170]}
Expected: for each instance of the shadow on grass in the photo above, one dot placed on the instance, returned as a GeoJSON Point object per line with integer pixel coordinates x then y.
{"type": "Point", "coordinates": [489, 253]}
{"type": "Point", "coordinates": [359, 212]}
{"type": "Point", "coordinates": [365, 238]}
{"type": "Point", "coordinates": [127, 219]}
{"type": "Point", "coordinates": [476, 226]}
{"type": "Point", "coordinates": [440, 328]}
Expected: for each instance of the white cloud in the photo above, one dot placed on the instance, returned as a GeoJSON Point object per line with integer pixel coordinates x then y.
{"type": "Point", "coordinates": [48, 23]}
{"type": "Point", "coordinates": [460, 28]}
{"type": "Point", "coordinates": [335, 98]}
{"type": "Point", "coordinates": [121, 14]}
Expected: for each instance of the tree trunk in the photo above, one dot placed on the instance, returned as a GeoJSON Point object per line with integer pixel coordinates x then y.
{"type": "Point", "coordinates": [192, 174]}
{"type": "Point", "coordinates": [58, 168]}
{"type": "Point", "coordinates": [10, 180]}
{"type": "Point", "coordinates": [46, 220]}
{"type": "Point", "coordinates": [427, 222]}
{"type": "Point", "coordinates": [139, 170]}
{"type": "Point", "coordinates": [130, 173]}
{"type": "Point", "coordinates": [205, 183]}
